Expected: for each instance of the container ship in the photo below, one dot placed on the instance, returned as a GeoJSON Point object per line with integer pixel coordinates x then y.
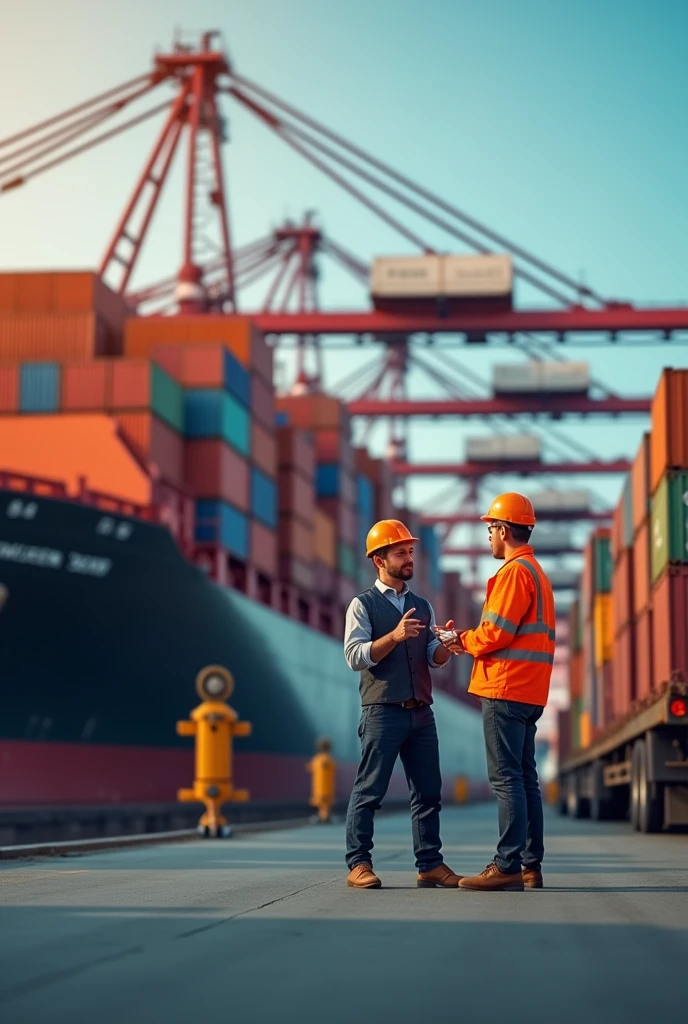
{"type": "Point", "coordinates": [162, 509]}
{"type": "Point", "coordinates": [624, 739]}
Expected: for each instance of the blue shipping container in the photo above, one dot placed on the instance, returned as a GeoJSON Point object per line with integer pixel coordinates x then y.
{"type": "Point", "coordinates": [365, 497]}
{"type": "Point", "coordinates": [219, 522]}
{"type": "Point", "coordinates": [282, 419]}
{"type": "Point", "coordinates": [327, 480]}
{"type": "Point", "coordinates": [263, 498]}
{"type": "Point", "coordinates": [237, 379]}
{"type": "Point", "coordinates": [210, 413]}
{"type": "Point", "coordinates": [39, 387]}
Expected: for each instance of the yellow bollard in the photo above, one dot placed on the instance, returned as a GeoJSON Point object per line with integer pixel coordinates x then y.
{"type": "Point", "coordinates": [461, 790]}
{"type": "Point", "coordinates": [552, 791]}
{"type": "Point", "coordinates": [214, 724]}
{"type": "Point", "coordinates": [323, 769]}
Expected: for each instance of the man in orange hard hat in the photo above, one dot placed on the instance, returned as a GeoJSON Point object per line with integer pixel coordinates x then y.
{"type": "Point", "coordinates": [389, 640]}
{"type": "Point", "coordinates": [513, 648]}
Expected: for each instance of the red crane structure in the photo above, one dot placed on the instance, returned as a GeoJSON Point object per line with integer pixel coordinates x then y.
{"type": "Point", "coordinates": [212, 273]}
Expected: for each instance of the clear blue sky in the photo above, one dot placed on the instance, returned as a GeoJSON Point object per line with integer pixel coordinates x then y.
{"type": "Point", "coordinates": [561, 125]}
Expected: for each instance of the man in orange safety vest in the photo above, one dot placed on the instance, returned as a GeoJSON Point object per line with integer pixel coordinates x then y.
{"type": "Point", "coordinates": [513, 648]}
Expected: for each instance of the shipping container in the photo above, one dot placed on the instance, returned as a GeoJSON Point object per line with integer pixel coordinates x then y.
{"type": "Point", "coordinates": [324, 539]}
{"type": "Point", "coordinates": [606, 690]}
{"type": "Point", "coordinates": [603, 628]}
{"type": "Point", "coordinates": [296, 540]}
{"type": "Point", "coordinates": [504, 448]}
{"type": "Point", "coordinates": [220, 523]}
{"type": "Point", "coordinates": [417, 277]}
{"type": "Point", "coordinates": [298, 573]}
{"type": "Point", "coordinates": [561, 501]}
{"type": "Point", "coordinates": [159, 447]}
{"type": "Point", "coordinates": [334, 446]}
{"type": "Point", "coordinates": [264, 449]}
{"type": "Point", "coordinates": [333, 481]}
{"type": "Point", "coordinates": [597, 569]}
{"type": "Point", "coordinates": [640, 483]}
{"type": "Point", "coordinates": [344, 517]}
{"type": "Point", "coordinates": [347, 561]}
{"type": "Point", "coordinates": [206, 366]}
{"type": "Point", "coordinates": [144, 334]}
{"type": "Point", "coordinates": [564, 732]}
{"type": "Point", "coordinates": [9, 389]}
{"type": "Point", "coordinates": [575, 626]}
{"type": "Point", "coordinates": [670, 625]}
{"type": "Point", "coordinates": [642, 636]}
{"type": "Point", "coordinates": [296, 451]}
{"type": "Point", "coordinates": [669, 439]}
{"type": "Point", "coordinates": [540, 377]}
{"type": "Point", "coordinates": [214, 470]}
{"type": "Point", "coordinates": [477, 276]}
{"type": "Point", "coordinates": [263, 498]}
{"type": "Point", "coordinates": [641, 568]}
{"type": "Point", "coordinates": [296, 496]}
{"type": "Point", "coordinates": [263, 552]}
{"type": "Point", "coordinates": [624, 670]}
{"type": "Point", "coordinates": [618, 536]}
{"type": "Point", "coordinates": [140, 384]}
{"type": "Point", "coordinates": [262, 402]}
{"type": "Point", "coordinates": [406, 277]}
{"type": "Point", "coordinates": [215, 414]}
{"type": "Point", "coordinates": [324, 579]}
{"type": "Point", "coordinates": [576, 715]}
{"type": "Point", "coordinates": [586, 729]}
{"type": "Point", "coordinates": [365, 498]}
{"type": "Point", "coordinates": [576, 675]}
{"type": "Point", "coordinates": [86, 386]}
{"type": "Point", "coordinates": [622, 591]}
{"type": "Point", "coordinates": [669, 523]}
{"type": "Point", "coordinates": [627, 501]}
{"type": "Point", "coordinates": [313, 412]}
{"type": "Point", "coordinates": [39, 387]}
{"type": "Point", "coordinates": [346, 590]}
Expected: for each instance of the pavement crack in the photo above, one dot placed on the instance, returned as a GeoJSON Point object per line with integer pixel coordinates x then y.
{"type": "Point", "coordinates": [52, 977]}
{"type": "Point", "coordinates": [250, 910]}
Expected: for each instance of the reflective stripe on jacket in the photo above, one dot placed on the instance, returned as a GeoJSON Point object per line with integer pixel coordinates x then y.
{"type": "Point", "coordinates": [513, 646]}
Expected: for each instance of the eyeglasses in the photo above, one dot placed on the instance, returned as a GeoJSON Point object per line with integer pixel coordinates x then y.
{"type": "Point", "coordinates": [494, 526]}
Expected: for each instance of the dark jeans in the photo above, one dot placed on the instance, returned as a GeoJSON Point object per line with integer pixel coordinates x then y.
{"type": "Point", "coordinates": [388, 731]}
{"type": "Point", "coordinates": [510, 728]}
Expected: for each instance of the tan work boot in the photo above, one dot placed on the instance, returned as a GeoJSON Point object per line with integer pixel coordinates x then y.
{"type": "Point", "coordinates": [532, 878]}
{"type": "Point", "coordinates": [362, 876]}
{"type": "Point", "coordinates": [493, 880]}
{"type": "Point", "coordinates": [441, 877]}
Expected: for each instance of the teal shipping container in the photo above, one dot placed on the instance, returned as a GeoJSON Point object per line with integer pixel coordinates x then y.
{"type": "Point", "coordinates": [39, 387]}
{"type": "Point", "coordinates": [215, 414]}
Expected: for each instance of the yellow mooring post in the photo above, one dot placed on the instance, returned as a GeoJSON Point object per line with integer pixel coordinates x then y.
{"type": "Point", "coordinates": [461, 790]}
{"type": "Point", "coordinates": [323, 769]}
{"type": "Point", "coordinates": [214, 724]}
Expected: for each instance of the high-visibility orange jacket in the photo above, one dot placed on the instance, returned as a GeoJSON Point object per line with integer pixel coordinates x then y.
{"type": "Point", "coordinates": [513, 646]}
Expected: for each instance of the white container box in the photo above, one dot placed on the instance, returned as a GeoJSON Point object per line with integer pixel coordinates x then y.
{"type": "Point", "coordinates": [561, 501]}
{"type": "Point", "coordinates": [503, 448]}
{"type": "Point", "coordinates": [536, 377]}
{"type": "Point", "coordinates": [406, 277]}
{"type": "Point", "coordinates": [476, 276]}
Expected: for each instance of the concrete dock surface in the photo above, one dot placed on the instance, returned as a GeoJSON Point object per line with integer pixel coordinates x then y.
{"type": "Point", "coordinates": [263, 928]}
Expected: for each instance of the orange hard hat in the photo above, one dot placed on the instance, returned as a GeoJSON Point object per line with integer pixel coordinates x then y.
{"type": "Point", "coordinates": [384, 533]}
{"type": "Point", "coordinates": [511, 508]}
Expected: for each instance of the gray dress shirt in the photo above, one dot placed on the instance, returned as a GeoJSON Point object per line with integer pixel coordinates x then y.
{"type": "Point", "coordinates": [358, 631]}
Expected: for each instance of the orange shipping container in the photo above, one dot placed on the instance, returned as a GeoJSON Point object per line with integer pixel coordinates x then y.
{"type": "Point", "coordinates": [86, 386]}
{"type": "Point", "coordinates": [585, 729]}
{"type": "Point", "coordinates": [669, 439]}
{"type": "Point", "coordinates": [9, 389]}
{"type": "Point", "coordinates": [264, 549]}
{"type": "Point", "coordinates": [155, 443]}
{"type": "Point", "coordinates": [142, 335]}
{"type": "Point", "coordinates": [324, 539]}
{"type": "Point", "coordinates": [640, 483]}
{"type": "Point", "coordinates": [295, 539]}
{"type": "Point", "coordinates": [264, 449]}
{"type": "Point", "coordinates": [603, 629]}
{"type": "Point", "coordinates": [617, 545]}
{"type": "Point", "coordinates": [214, 470]}
{"type": "Point", "coordinates": [670, 625]}
{"type": "Point", "coordinates": [641, 568]}
{"type": "Point", "coordinates": [313, 411]}
{"type": "Point", "coordinates": [643, 653]}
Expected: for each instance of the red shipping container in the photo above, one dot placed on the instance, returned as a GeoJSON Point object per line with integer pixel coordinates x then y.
{"type": "Point", "coordinates": [670, 625]}
{"type": "Point", "coordinates": [324, 580]}
{"type": "Point", "coordinates": [297, 572]}
{"type": "Point", "coordinates": [144, 334]}
{"type": "Point", "coordinates": [641, 568]}
{"type": "Point", "coordinates": [643, 653]}
{"type": "Point", "coordinates": [606, 694]}
{"type": "Point", "coordinates": [576, 675]}
{"type": "Point", "coordinates": [344, 517]}
{"type": "Point", "coordinates": [334, 446]}
{"type": "Point", "coordinates": [622, 592]}
{"type": "Point", "coordinates": [172, 359]}
{"type": "Point", "coordinates": [264, 449]}
{"type": "Point", "coordinates": [296, 451]}
{"type": "Point", "coordinates": [86, 386]}
{"type": "Point", "coordinates": [296, 496]}
{"type": "Point", "coordinates": [262, 357]}
{"type": "Point", "coordinates": [369, 467]}
{"type": "Point", "coordinates": [669, 438]}
{"type": "Point", "coordinates": [624, 671]}
{"type": "Point", "coordinates": [155, 443]}
{"type": "Point", "coordinates": [263, 402]}
{"type": "Point", "coordinates": [640, 483]}
{"type": "Point", "coordinates": [295, 539]}
{"type": "Point", "coordinates": [617, 545]}
{"type": "Point", "coordinates": [264, 549]}
{"type": "Point", "coordinates": [214, 470]}
{"type": "Point", "coordinates": [313, 411]}
{"type": "Point", "coordinates": [9, 389]}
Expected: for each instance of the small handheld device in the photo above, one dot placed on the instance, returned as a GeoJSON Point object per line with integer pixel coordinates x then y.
{"type": "Point", "coordinates": [445, 635]}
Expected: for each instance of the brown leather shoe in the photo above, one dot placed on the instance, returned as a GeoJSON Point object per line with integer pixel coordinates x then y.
{"type": "Point", "coordinates": [441, 877]}
{"type": "Point", "coordinates": [493, 880]}
{"type": "Point", "coordinates": [362, 876]}
{"type": "Point", "coordinates": [532, 878]}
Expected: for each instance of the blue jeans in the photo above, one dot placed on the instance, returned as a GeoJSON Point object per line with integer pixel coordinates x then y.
{"type": "Point", "coordinates": [510, 728]}
{"type": "Point", "coordinates": [388, 731]}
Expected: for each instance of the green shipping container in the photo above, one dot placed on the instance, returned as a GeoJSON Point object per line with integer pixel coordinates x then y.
{"type": "Point", "coordinates": [347, 561]}
{"type": "Point", "coordinates": [669, 523]}
{"type": "Point", "coordinates": [167, 400]}
{"type": "Point", "coordinates": [576, 715]}
{"type": "Point", "coordinates": [603, 565]}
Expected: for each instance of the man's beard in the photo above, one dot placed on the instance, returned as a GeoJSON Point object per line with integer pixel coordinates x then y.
{"type": "Point", "coordinates": [404, 573]}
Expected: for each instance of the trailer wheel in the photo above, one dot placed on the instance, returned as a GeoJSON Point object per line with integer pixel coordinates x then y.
{"type": "Point", "coordinates": [601, 800]}
{"type": "Point", "coordinates": [647, 803]}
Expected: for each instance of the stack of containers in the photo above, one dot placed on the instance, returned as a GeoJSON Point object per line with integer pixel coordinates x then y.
{"type": "Point", "coordinates": [230, 458]}
{"type": "Point", "coordinates": [367, 475]}
{"type": "Point", "coordinates": [623, 628]}
{"type": "Point", "coordinates": [642, 608]}
{"type": "Point", "coordinates": [576, 674]}
{"type": "Point", "coordinates": [668, 480]}
{"type": "Point", "coordinates": [597, 649]}
{"type": "Point", "coordinates": [299, 538]}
